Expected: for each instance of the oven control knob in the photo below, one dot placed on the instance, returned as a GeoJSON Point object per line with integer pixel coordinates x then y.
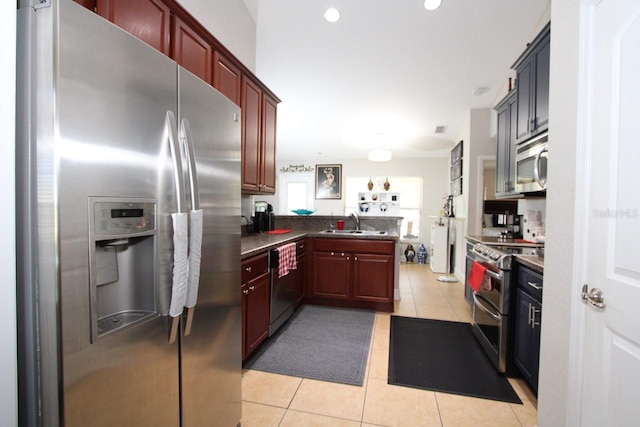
{"type": "Point", "coordinates": [495, 255]}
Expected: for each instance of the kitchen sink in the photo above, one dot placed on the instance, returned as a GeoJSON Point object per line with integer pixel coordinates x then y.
{"type": "Point", "coordinates": [357, 232]}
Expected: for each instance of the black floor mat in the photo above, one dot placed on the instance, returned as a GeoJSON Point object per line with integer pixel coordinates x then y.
{"type": "Point", "coordinates": [443, 356]}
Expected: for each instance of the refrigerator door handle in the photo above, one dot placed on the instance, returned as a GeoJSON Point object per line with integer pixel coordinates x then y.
{"type": "Point", "coordinates": [180, 231]}
{"type": "Point", "coordinates": [196, 218]}
{"type": "Point", "coordinates": [185, 136]}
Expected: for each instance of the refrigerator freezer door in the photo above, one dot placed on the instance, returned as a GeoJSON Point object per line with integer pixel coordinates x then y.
{"type": "Point", "coordinates": [101, 132]}
{"type": "Point", "coordinates": [211, 353]}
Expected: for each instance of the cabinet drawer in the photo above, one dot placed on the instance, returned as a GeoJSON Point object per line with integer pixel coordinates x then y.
{"type": "Point", "coordinates": [254, 267]}
{"type": "Point", "coordinates": [384, 247]}
{"type": "Point", "coordinates": [301, 247]}
{"type": "Point", "coordinates": [530, 282]}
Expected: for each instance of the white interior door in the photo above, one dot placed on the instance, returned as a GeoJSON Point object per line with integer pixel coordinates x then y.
{"type": "Point", "coordinates": [611, 370]}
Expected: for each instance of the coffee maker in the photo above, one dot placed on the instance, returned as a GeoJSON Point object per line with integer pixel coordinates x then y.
{"type": "Point", "coordinates": [263, 219]}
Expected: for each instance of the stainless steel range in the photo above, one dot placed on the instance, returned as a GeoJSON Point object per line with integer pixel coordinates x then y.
{"type": "Point", "coordinates": [491, 306]}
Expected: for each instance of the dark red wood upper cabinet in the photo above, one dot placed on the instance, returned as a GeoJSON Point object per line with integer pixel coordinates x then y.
{"type": "Point", "coordinates": [251, 117]}
{"type": "Point", "coordinates": [268, 163]}
{"type": "Point", "coordinates": [227, 77]}
{"type": "Point", "coordinates": [89, 4]}
{"type": "Point", "coordinates": [148, 20]}
{"type": "Point", "coordinates": [191, 50]}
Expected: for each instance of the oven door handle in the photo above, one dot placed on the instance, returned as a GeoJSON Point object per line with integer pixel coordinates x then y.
{"type": "Point", "coordinates": [494, 275]}
{"type": "Point", "coordinates": [476, 299]}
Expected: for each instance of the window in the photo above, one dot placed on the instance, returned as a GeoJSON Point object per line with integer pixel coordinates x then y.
{"type": "Point", "coordinates": [295, 191]}
{"type": "Point", "coordinates": [409, 189]}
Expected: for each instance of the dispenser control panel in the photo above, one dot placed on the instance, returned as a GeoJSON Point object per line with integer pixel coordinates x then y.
{"type": "Point", "coordinates": [122, 216]}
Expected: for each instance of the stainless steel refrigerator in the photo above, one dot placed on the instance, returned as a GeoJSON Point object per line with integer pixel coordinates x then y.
{"type": "Point", "coordinates": [128, 199]}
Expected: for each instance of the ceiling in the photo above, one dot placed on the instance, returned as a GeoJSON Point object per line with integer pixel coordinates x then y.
{"type": "Point", "coordinates": [387, 73]}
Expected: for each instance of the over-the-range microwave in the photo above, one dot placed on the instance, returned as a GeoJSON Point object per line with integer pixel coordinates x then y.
{"type": "Point", "coordinates": [531, 164]}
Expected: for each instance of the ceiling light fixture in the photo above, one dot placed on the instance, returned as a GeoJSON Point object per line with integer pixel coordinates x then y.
{"type": "Point", "coordinates": [432, 4]}
{"type": "Point", "coordinates": [332, 14]}
{"type": "Point", "coordinates": [379, 155]}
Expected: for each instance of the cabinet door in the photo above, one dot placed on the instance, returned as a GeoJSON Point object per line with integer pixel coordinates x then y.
{"type": "Point", "coordinates": [190, 50]}
{"type": "Point", "coordinates": [300, 275]}
{"type": "Point", "coordinates": [148, 20]}
{"type": "Point", "coordinates": [227, 77]}
{"type": "Point", "coordinates": [330, 275]}
{"type": "Point", "coordinates": [506, 154]}
{"type": "Point", "coordinates": [251, 115]}
{"type": "Point", "coordinates": [523, 89]}
{"type": "Point", "coordinates": [502, 154]}
{"type": "Point", "coordinates": [255, 306]}
{"type": "Point", "coordinates": [268, 152]}
{"type": "Point", "coordinates": [373, 278]}
{"type": "Point", "coordinates": [526, 353]}
{"type": "Point", "coordinates": [541, 107]}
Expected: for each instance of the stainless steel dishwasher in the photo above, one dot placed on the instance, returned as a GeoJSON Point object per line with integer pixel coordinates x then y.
{"type": "Point", "coordinates": [283, 294]}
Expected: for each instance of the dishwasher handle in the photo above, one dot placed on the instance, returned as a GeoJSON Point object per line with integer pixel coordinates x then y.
{"type": "Point", "coordinates": [274, 259]}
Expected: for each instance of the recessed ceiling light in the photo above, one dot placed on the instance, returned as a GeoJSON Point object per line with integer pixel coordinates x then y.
{"type": "Point", "coordinates": [332, 14]}
{"type": "Point", "coordinates": [432, 4]}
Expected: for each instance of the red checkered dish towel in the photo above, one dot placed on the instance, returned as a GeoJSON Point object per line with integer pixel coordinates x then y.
{"type": "Point", "coordinates": [287, 259]}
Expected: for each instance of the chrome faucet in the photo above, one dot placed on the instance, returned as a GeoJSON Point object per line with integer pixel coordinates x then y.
{"type": "Point", "coordinates": [357, 218]}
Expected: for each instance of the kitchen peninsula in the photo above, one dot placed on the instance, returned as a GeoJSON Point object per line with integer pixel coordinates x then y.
{"type": "Point", "coordinates": [354, 268]}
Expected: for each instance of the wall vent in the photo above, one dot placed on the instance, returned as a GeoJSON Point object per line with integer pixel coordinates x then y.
{"type": "Point", "coordinates": [440, 129]}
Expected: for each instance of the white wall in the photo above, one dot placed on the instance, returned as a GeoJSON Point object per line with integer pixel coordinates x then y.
{"type": "Point", "coordinates": [231, 23]}
{"type": "Point", "coordinates": [8, 369]}
{"type": "Point", "coordinates": [433, 170]}
{"type": "Point", "coordinates": [468, 206]}
{"type": "Point", "coordinates": [555, 396]}
{"type": "Point", "coordinates": [480, 144]}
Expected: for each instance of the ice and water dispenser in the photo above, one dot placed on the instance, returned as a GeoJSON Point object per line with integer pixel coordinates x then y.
{"type": "Point", "coordinates": [122, 247]}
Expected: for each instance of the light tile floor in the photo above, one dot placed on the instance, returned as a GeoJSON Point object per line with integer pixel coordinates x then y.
{"type": "Point", "coordinates": [271, 400]}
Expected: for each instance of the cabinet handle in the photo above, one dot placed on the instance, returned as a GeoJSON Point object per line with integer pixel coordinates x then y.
{"type": "Point", "coordinates": [332, 254]}
{"type": "Point", "coordinates": [245, 291]}
{"type": "Point", "coordinates": [247, 269]}
{"type": "Point", "coordinates": [342, 254]}
{"type": "Point", "coordinates": [347, 258]}
{"type": "Point", "coordinates": [355, 258]}
{"type": "Point", "coordinates": [251, 288]}
{"type": "Point", "coordinates": [534, 286]}
{"type": "Point", "coordinates": [301, 246]}
{"type": "Point", "coordinates": [532, 316]}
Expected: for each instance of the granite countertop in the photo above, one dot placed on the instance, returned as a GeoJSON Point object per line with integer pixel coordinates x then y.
{"type": "Point", "coordinates": [499, 241]}
{"type": "Point", "coordinates": [534, 262]}
{"type": "Point", "coordinates": [253, 244]}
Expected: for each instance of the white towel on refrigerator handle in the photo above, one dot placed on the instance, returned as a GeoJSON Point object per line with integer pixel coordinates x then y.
{"type": "Point", "coordinates": [180, 262]}
{"type": "Point", "coordinates": [195, 255]}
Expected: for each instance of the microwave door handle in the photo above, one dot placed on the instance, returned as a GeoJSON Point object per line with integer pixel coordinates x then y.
{"type": "Point", "coordinates": [536, 169]}
{"type": "Point", "coordinates": [195, 226]}
{"type": "Point", "coordinates": [180, 230]}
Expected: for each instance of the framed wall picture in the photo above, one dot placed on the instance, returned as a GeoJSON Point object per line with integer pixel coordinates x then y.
{"type": "Point", "coordinates": [456, 153]}
{"type": "Point", "coordinates": [456, 187]}
{"type": "Point", "coordinates": [456, 170]}
{"type": "Point", "coordinates": [328, 181]}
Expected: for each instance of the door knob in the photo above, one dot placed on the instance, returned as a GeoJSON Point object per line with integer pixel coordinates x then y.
{"type": "Point", "coordinates": [595, 297]}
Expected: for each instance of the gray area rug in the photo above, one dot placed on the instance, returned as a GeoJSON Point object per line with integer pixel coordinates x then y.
{"type": "Point", "coordinates": [322, 343]}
